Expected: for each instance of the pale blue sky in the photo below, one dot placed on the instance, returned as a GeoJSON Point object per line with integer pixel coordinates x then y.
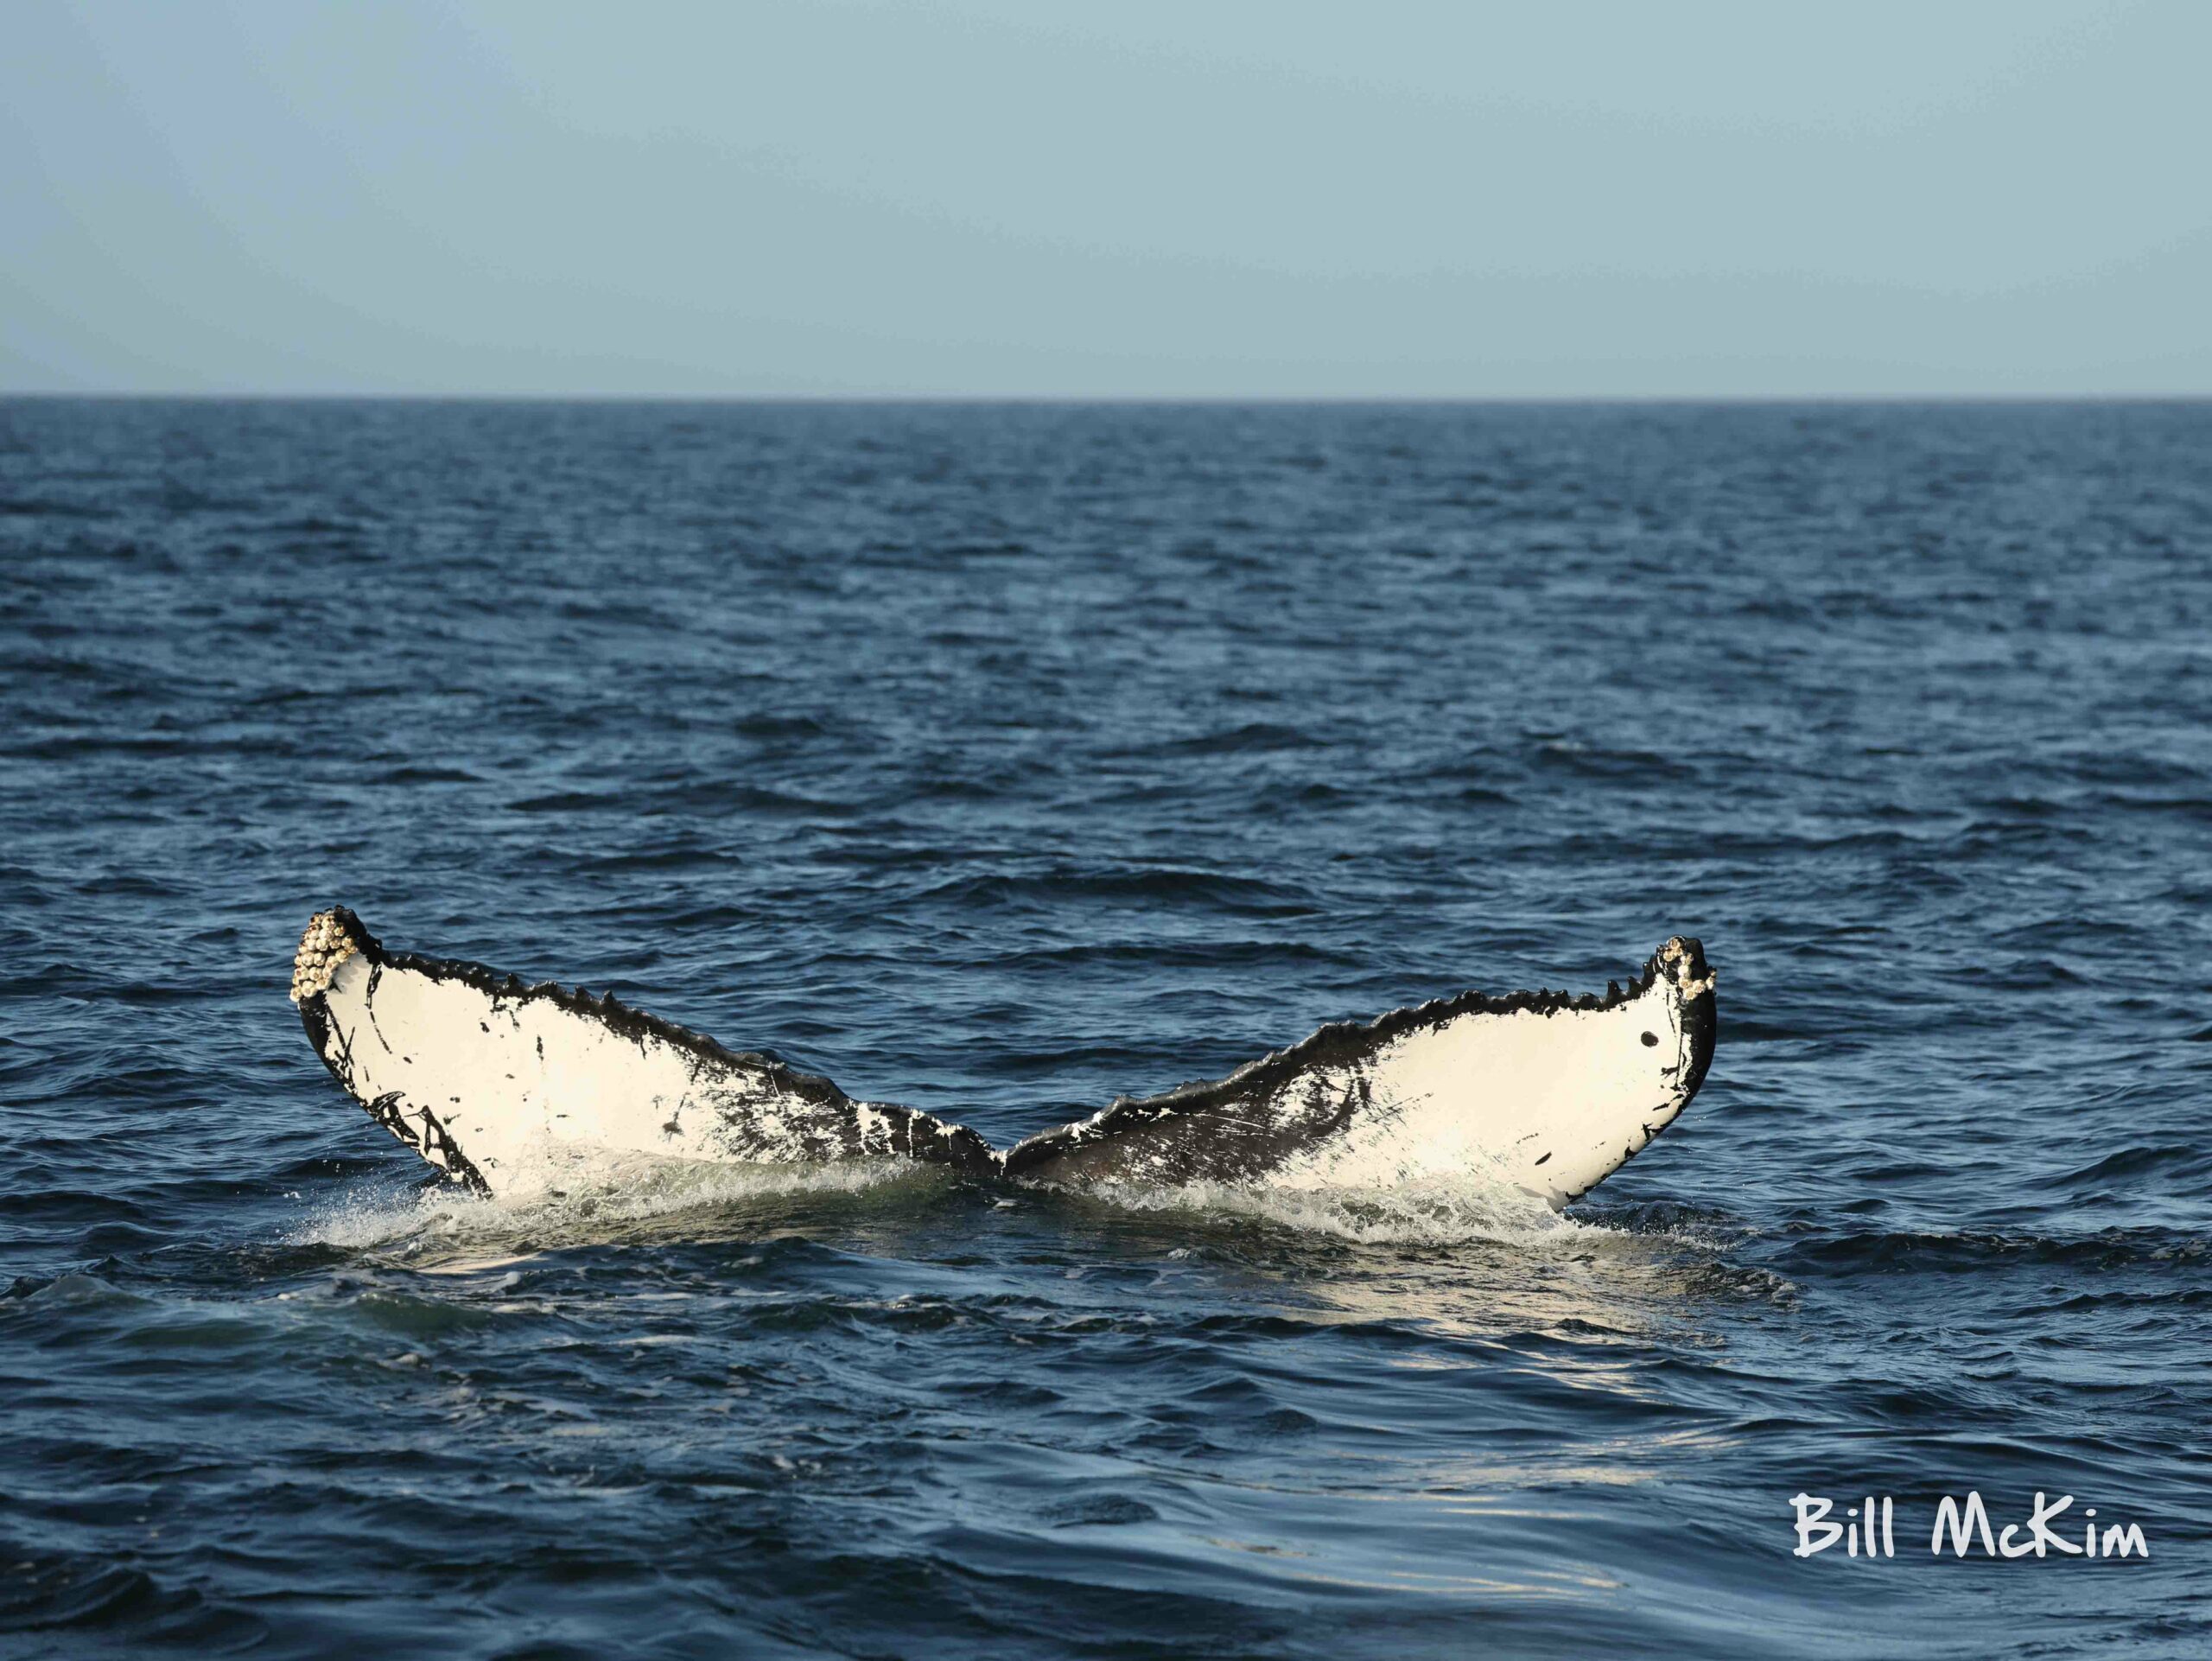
{"type": "Point", "coordinates": [1122, 198]}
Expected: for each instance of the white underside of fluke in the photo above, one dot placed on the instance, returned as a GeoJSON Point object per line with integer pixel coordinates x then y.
{"type": "Point", "coordinates": [1552, 1099]}
{"type": "Point", "coordinates": [504, 1086]}
{"type": "Point", "coordinates": [505, 1079]}
{"type": "Point", "coordinates": [1554, 1102]}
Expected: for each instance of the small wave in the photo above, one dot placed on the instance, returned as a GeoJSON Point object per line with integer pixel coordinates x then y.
{"type": "Point", "coordinates": [425, 775]}
{"type": "Point", "coordinates": [1252, 735]}
{"type": "Point", "coordinates": [1150, 885]}
{"type": "Point", "coordinates": [43, 507]}
{"type": "Point", "coordinates": [1198, 954]}
{"type": "Point", "coordinates": [2176, 1159]}
{"type": "Point", "coordinates": [54, 1591]}
{"type": "Point", "coordinates": [1592, 761]}
{"type": "Point", "coordinates": [1971, 1251]}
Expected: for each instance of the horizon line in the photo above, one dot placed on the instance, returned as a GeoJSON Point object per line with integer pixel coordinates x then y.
{"type": "Point", "coordinates": [1069, 399]}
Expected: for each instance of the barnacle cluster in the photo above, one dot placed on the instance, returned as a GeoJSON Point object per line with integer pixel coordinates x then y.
{"type": "Point", "coordinates": [325, 945]}
{"type": "Point", "coordinates": [1680, 960]}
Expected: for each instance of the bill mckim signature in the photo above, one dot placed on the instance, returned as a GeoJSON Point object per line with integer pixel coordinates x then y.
{"type": "Point", "coordinates": [1871, 1531]}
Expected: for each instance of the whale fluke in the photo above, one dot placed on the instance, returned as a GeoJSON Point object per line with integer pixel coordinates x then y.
{"type": "Point", "coordinates": [479, 1072]}
{"type": "Point", "coordinates": [483, 1075]}
{"type": "Point", "coordinates": [1551, 1091]}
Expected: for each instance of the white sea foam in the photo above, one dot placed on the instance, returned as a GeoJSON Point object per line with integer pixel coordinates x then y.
{"type": "Point", "coordinates": [576, 1194]}
{"type": "Point", "coordinates": [1446, 1212]}
{"type": "Point", "coordinates": [581, 1195]}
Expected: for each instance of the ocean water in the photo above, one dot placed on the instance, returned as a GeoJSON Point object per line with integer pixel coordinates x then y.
{"type": "Point", "coordinates": [999, 760]}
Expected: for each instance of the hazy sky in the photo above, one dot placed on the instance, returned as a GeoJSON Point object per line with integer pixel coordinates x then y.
{"type": "Point", "coordinates": [1116, 199]}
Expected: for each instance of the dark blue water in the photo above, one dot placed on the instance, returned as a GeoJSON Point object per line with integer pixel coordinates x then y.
{"type": "Point", "coordinates": [999, 760]}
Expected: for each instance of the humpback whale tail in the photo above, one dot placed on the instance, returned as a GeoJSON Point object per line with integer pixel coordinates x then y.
{"type": "Point", "coordinates": [484, 1076]}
